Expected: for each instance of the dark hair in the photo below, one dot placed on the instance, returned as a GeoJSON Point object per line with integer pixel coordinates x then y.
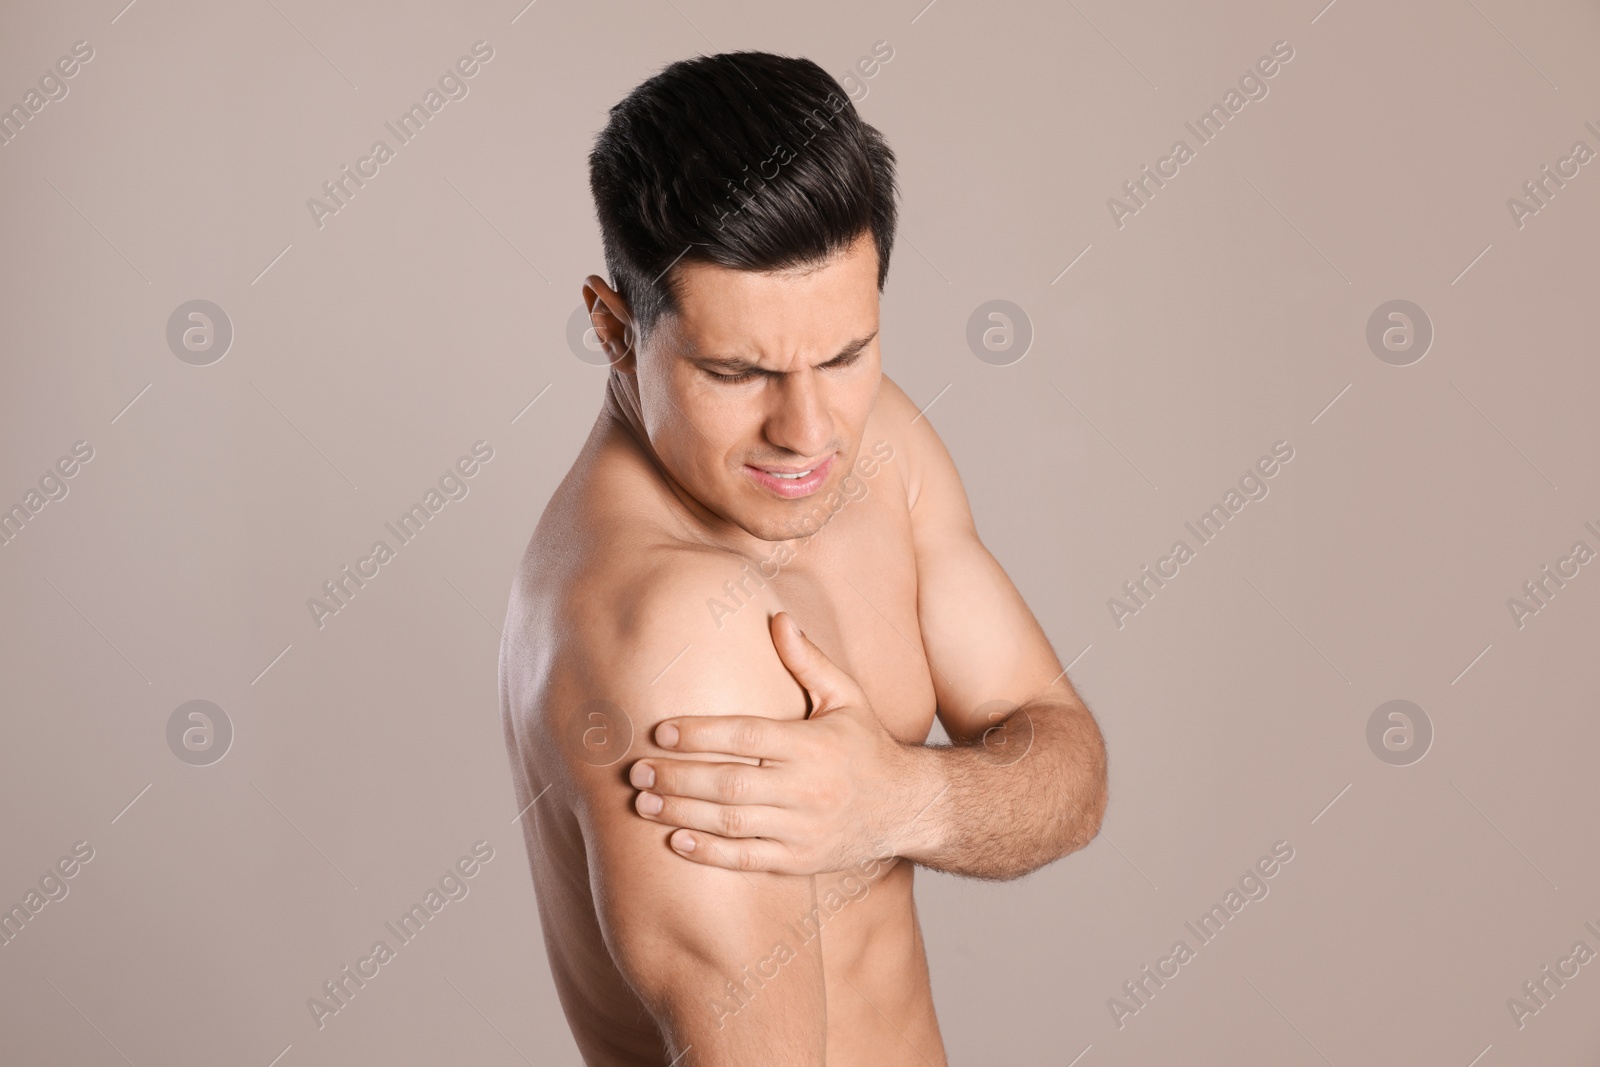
{"type": "Point", "coordinates": [748, 160]}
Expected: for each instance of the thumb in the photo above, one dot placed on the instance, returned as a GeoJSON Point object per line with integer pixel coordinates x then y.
{"type": "Point", "coordinates": [829, 686]}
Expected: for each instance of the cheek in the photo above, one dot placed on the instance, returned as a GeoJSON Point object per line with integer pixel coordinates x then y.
{"type": "Point", "coordinates": [685, 452]}
{"type": "Point", "coordinates": [856, 407]}
{"type": "Point", "coordinates": [703, 436]}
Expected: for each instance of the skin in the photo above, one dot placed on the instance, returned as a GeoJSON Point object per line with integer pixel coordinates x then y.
{"type": "Point", "coordinates": [723, 815]}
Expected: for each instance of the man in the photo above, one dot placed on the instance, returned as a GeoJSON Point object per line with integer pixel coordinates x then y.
{"type": "Point", "coordinates": [723, 812]}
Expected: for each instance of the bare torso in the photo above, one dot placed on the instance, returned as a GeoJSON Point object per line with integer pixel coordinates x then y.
{"type": "Point", "coordinates": [853, 589]}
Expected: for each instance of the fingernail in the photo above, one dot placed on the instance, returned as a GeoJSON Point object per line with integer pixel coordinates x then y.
{"type": "Point", "coordinates": [666, 735]}
{"type": "Point", "coordinates": [683, 842]}
{"type": "Point", "coordinates": [643, 776]}
{"type": "Point", "coordinates": [649, 804]}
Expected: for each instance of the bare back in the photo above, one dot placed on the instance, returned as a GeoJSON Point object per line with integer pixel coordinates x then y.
{"type": "Point", "coordinates": [615, 549]}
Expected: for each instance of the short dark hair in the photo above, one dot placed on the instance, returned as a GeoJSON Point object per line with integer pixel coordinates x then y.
{"type": "Point", "coordinates": [748, 160]}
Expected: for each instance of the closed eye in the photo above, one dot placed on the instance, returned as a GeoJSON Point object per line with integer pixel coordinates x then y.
{"type": "Point", "coordinates": [743, 376]}
{"type": "Point", "coordinates": [846, 360]}
{"type": "Point", "coordinates": [849, 357]}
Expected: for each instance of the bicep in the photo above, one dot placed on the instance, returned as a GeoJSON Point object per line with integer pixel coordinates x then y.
{"type": "Point", "coordinates": [985, 649]}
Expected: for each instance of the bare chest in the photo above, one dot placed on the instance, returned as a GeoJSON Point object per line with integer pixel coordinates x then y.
{"type": "Point", "coordinates": [852, 587]}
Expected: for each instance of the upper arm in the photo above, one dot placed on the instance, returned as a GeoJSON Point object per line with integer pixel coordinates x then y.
{"type": "Point", "coordinates": [983, 643]}
{"type": "Point", "coordinates": [711, 952]}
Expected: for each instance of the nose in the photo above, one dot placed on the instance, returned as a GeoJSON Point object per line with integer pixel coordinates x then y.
{"type": "Point", "coordinates": [800, 419]}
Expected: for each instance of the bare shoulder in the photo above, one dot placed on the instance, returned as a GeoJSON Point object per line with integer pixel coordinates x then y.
{"type": "Point", "coordinates": [651, 633]}
{"type": "Point", "coordinates": [631, 640]}
{"type": "Point", "coordinates": [924, 461]}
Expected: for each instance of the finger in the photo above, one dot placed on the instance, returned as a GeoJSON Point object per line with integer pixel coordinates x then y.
{"type": "Point", "coordinates": [828, 684]}
{"type": "Point", "coordinates": [722, 783]}
{"type": "Point", "coordinates": [723, 820]}
{"type": "Point", "coordinates": [736, 735]}
{"type": "Point", "coordinates": [747, 854]}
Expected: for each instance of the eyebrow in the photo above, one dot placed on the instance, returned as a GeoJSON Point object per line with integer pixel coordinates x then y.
{"type": "Point", "coordinates": [736, 365]}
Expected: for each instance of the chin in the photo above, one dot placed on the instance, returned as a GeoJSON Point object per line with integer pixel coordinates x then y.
{"type": "Point", "coordinates": [776, 526]}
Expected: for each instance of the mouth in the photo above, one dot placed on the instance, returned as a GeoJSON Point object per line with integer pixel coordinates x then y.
{"type": "Point", "coordinates": [791, 482]}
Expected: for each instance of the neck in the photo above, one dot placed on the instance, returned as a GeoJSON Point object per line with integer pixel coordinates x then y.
{"type": "Point", "coordinates": [623, 409]}
{"type": "Point", "coordinates": [622, 406]}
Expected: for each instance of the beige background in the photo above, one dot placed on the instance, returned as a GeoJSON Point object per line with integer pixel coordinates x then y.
{"type": "Point", "coordinates": [1230, 313]}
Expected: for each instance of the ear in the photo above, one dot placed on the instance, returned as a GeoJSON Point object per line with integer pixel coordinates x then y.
{"type": "Point", "coordinates": [612, 321]}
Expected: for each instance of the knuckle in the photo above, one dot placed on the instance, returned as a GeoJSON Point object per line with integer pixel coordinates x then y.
{"type": "Point", "coordinates": [824, 793]}
{"type": "Point", "coordinates": [747, 735]}
{"type": "Point", "coordinates": [733, 823]}
{"type": "Point", "coordinates": [810, 792]}
{"type": "Point", "coordinates": [732, 784]}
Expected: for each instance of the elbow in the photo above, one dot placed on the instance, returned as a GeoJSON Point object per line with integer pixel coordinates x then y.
{"type": "Point", "coordinates": [1089, 807]}
{"type": "Point", "coordinates": [1089, 827]}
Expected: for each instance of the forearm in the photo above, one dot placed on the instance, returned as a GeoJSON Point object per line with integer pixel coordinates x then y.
{"type": "Point", "coordinates": [1031, 790]}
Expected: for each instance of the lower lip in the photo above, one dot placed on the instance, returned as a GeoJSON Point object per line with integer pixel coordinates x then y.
{"type": "Point", "coordinates": [792, 487]}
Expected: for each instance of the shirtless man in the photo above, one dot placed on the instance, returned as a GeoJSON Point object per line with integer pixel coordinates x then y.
{"type": "Point", "coordinates": [723, 813]}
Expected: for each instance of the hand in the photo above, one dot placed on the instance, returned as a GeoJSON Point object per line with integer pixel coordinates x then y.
{"type": "Point", "coordinates": [830, 791]}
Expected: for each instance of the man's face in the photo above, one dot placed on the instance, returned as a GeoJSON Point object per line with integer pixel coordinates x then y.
{"type": "Point", "coordinates": [761, 376]}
